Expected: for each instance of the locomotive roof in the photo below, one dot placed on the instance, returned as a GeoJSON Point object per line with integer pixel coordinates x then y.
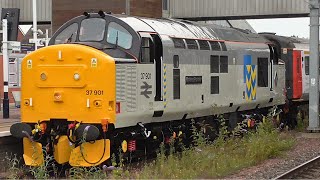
{"type": "Point", "coordinates": [188, 29]}
{"type": "Point", "coordinates": [177, 28]}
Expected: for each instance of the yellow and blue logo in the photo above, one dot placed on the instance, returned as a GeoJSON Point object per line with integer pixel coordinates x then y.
{"type": "Point", "coordinates": [250, 78]}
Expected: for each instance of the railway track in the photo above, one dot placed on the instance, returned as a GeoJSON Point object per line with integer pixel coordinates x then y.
{"type": "Point", "coordinates": [308, 170]}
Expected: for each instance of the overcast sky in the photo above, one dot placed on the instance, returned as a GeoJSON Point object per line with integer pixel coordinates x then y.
{"type": "Point", "coordinates": [283, 26]}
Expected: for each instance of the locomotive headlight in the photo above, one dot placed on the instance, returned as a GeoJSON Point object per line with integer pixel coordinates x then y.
{"type": "Point", "coordinates": [43, 76]}
{"type": "Point", "coordinates": [76, 76]}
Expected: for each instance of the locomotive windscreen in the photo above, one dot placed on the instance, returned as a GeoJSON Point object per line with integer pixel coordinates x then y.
{"type": "Point", "coordinates": [92, 29]}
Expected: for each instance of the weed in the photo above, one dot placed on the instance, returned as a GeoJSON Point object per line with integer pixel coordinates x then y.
{"type": "Point", "coordinates": [12, 166]}
{"type": "Point", "coordinates": [87, 173]}
{"type": "Point", "coordinates": [47, 169]}
{"type": "Point", "coordinates": [302, 122]}
{"type": "Point", "coordinates": [219, 159]}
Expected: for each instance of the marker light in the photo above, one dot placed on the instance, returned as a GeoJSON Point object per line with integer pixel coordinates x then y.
{"type": "Point", "coordinates": [43, 76]}
{"type": "Point", "coordinates": [76, 76]}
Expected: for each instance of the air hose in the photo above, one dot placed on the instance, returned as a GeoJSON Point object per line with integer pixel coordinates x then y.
{"type": "Point", "coordinates": [104, 146]}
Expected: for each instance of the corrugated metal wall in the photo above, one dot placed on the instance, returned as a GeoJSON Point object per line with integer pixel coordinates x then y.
{"type": "Point", "coordinates": [44, 9]}
{"type": "Point", "coordinates": [214, 8]}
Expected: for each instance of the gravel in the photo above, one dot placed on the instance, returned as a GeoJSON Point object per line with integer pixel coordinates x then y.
{"type": "Point", "coordinates": [306, 148]}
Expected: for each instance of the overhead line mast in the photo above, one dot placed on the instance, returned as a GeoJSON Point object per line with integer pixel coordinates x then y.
{"type": "Point", "coordinates": [314, 67]}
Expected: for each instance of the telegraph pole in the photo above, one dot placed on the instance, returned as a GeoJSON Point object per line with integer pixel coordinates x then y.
{"type": "Point", "coordinates": [5, 68]}
{"type": "Point", "coordinates": [314, 67]}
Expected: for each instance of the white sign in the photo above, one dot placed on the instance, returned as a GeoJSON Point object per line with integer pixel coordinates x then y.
{"type": "Point", "coordinates": [14, 45]}
{"type": "Point", "coordinates": [285, 50]}
{"type": "Point", "coordinates": [13, 72]}
{"type": "Point", "coordinates": [313, 81]}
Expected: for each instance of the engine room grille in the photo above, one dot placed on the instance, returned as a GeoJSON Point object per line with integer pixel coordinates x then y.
{"type": "Point", "coordinates": [120, 83]}
{"type": "Point", "coordinates": [131, 90]}
{"type": "Point", "coordinates": [126, 86]}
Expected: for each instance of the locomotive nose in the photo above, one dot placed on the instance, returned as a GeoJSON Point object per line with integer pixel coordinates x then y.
{"type": "Point", "coordinates": [69, 88]}
{"type": "Point", "coordinates": [68, 81]}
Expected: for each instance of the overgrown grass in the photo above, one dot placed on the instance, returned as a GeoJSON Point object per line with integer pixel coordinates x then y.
{"type": "Point", "coordinates": [12, 167]}
{"type": "Point", "coordinates": [302, 121]}
{"type": "Point", "coordinates": [218, 159]}
{"type": "Point", "coordinates": [206, 160]}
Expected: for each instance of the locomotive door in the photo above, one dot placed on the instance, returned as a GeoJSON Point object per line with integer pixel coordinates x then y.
{"type": "Point", "coordinates": [273, 71]}
{"type": "Point", "coordinates": [297, 74]}
{"type": "Point", "coordinates": [155, 52]}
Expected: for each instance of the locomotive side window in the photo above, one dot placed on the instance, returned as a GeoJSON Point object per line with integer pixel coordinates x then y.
{"type": "Point", "coordinates": [69, 34]}
{"type": "Point", "coordinates": [176, 61]}
{"type": "Point", "coordinates": [223, 46]}
{"type": "Point", "coordinates": [92, 29]}
{"type": "Point", "coordinates": [306, 64]}
{"type": "Point", "coordinates": [214, 64]}
{"type": "Point", "coordinates": [223, 64]}
{"type": "Point", "coordinates": [214, 84]}
{"type": "Point", "coordinates": [203, 45]}
{"type": "Point", "coordinates": [263, 72]}
{"type": "Point", "coordinates": [192, 44]}
{"type": "Point", "coordinates": [178, 43]}
{"type": "Point", "coordinates": [119, 35]}
{"type": "Point", "coordinates": [215, 46]}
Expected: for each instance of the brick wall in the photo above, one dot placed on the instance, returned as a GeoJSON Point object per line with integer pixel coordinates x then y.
{"type": "Point", "coordinates": [64, 10]}
{"type": "Point", "coordinates": [146, 8]}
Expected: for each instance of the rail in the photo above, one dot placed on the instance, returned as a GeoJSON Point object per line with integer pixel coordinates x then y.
{"type": "Point", "coordinates": [307, 170]}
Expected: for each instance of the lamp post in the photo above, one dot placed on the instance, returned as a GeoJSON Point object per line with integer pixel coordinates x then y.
{"type": "Point", "coordinates": [5, 68]}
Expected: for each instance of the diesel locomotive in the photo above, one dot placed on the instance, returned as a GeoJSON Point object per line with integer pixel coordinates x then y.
{"type": "Point", "coordinates": [108, 82]}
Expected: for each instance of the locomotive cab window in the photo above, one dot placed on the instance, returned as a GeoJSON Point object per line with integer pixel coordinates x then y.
{"type": "Point", "coordinates": [263, 72]}
{"type": "Point", "coordinates": [119, 36]}
{"type": "Point", "coordinates": [147, 51]}
{"type": "Point", "coordinates": [69, 34]}
{"type": "Point", "coordinates": [92, 29]}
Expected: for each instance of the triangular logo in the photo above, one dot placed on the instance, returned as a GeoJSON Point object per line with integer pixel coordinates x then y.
{"type": "Point", "coordinates": [94, 62]}
{"type": "Point", "coordinates": [29, 64]}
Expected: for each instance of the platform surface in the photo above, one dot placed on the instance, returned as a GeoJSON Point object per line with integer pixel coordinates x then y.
{"type": "Point", "coordinates": [14, 117]}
